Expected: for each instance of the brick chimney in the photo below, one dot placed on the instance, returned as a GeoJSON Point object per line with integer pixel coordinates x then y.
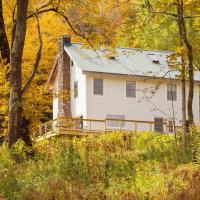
{"type": "Point", "coordinates": [66, 39]}
{"type": "Point", "coordinates": [64, 108]}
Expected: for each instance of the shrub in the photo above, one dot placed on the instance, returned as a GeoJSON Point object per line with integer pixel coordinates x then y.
{"type": "Point", "coordinates": [113, 166]}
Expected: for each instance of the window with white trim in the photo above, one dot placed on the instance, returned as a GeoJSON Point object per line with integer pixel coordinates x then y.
{"type": "Point", "coordinates": [98, 86]}
{"type": "Point", "coordinates": [131, 89]}
{"type": "Point", "coordinates": [75, 89]}
{"type": "Point", "coordinates": [171, 92]}
{"type": "Point", "coordinates": [115, 123]}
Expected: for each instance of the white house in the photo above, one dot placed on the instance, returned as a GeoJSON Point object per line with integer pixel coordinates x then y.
{"type": "Point", "coordinates": [133, 84]}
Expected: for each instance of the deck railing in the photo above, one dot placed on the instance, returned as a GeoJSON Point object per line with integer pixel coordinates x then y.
{"type": "Point", "coordinates": [80, 126]}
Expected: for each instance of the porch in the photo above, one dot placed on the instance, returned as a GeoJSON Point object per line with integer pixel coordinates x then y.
{"type": "Point", "coordinates": [82, 127]}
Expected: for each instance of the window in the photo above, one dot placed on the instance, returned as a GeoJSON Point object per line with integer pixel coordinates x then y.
{"type": "Point", "coordinates": [158, 125]}
{"type": "Point", "coordinates": [75, 89]}
{"type": "Point", "coordinates": [72, 63]}
{"type": "Point", "coordinates": [117, 123]}
{"type": "Point", "coordinates": [131, 89]}
{"type": "Point", "coordinates": [171, 92]}
{"type": "Point", "coordinates": [98, 86]}
{"type": "Point", "coordinates": [171, 126]}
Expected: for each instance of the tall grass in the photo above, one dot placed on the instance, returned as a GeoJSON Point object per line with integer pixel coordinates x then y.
{"type": "Point", "coordinates": [115, 166]}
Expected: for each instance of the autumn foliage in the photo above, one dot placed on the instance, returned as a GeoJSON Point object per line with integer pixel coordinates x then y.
{"type": "Point", "coordinates": [115, 166]}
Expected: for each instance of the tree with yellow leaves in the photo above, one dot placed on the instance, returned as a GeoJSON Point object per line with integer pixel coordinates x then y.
{"type": "Point", "coordinates": [175, 25]}
{"type": "Point", "coordinates": [25, 18]}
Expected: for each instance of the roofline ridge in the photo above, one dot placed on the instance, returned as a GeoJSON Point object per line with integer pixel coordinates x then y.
{"type": "Point", "coordinates": [139, 49]}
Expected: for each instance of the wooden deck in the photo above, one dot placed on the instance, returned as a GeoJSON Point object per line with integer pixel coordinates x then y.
{"type": "Point", "coordinates": [82, 127]}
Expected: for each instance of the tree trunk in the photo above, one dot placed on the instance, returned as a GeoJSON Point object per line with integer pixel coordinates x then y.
{"type": "Point", "coordinates": [15, 101]}
{"type": "Point", "coordinates": [184, 125]}
{"type": "Point", "coordinates": [190, 64]}
{"type": "Point", "coordinates": [4, 46]}
{"type": "Point", "coordinates": [191, 87]}
{"type": "Point", "coordinates": [183, 81]}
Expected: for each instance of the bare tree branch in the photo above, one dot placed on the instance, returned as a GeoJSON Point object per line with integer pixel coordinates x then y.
{"type": "Point", "coordinates": [152, 10]}
{"type": "Point", "coordinates": [37, 59]}
{"type": "Point", "coordinates": [61, 14]}
{"type": "Point", "coordinates": [55, 10]}
{"type": "Point", "coordinates": [41, 12]}
{"type": "Point", "coordinates": [75, 31]}
{"type": "Point", "coordinates": [44, 8]}
{"type": "Point", "coordinates": [161, 81]}
{"type": "Point", "coordinates": [192, 17]}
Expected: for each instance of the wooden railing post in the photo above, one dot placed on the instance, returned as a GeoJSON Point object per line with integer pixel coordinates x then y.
{"type": "Point", "coordinates": [90, 125]}
{"type": "Point", "coordinates": [150, 127]}
{"type": "Point", "coordinates": [58, 123]}
{"type": "Point", "coordinates": [75, 124]}
{"type": "Point", "coordinates": [120, 128]}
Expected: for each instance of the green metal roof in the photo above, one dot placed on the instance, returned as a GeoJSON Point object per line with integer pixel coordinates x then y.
{"type": "Point", "coordinates": [127, 61]}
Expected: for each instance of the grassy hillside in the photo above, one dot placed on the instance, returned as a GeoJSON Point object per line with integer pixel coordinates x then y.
{"type": "Point", "coordinates": [116, 166]}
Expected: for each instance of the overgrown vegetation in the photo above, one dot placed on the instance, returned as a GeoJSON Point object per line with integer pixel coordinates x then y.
{"type": "Point", "coordinates": [115, 166]}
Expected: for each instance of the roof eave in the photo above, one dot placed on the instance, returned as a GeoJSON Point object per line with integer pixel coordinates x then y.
{"type": "Point", "coordinates": [52, 76]}
{"type": "Point", "coordinates": [145, 77]}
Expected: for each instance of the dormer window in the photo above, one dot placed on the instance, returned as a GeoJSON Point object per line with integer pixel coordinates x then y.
{"type": "Point", "coordinates": [154, 58]}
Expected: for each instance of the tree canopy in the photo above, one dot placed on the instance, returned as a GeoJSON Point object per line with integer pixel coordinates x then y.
{"type": "Point", "coordinates": [145, 24]}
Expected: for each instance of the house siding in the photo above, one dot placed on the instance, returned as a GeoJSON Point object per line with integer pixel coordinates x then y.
{"type": "Point", "coordinates": [145, 106]}
{"type": "Point", "coordinates": [55, 108]}
{"type": "Point", "coordinates": [55, 99]}
{"type": "Point", "coordinates": [114, 100]}
{"type": "Point", "coordinates": [78, 104]}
